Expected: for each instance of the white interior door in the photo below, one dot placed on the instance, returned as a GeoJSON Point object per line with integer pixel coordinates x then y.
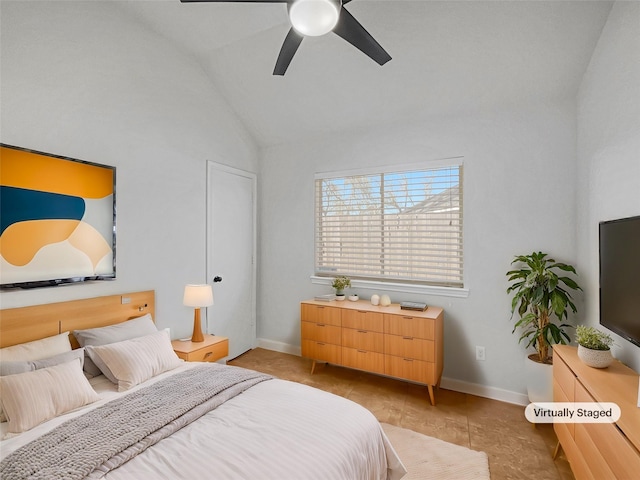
{"type": "Point", "coordinates": [231, 245]}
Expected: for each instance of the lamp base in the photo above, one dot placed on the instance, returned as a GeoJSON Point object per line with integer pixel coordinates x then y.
{"type": "Point", "coordinates": [197, 329]}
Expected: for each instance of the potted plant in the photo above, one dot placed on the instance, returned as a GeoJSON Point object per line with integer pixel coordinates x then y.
{"type": "Point", "coordinates": [540, 292]}
{"type": "Point", "coordinates": [594, 346]}
{"type": "Point", "coordinates": [340, 283]}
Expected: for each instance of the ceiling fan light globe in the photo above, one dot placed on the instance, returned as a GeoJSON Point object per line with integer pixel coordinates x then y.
{"type": "Point", "coordinates": [314, 17]}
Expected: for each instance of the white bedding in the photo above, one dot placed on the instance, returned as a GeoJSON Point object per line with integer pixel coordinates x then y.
{"type": "Point", "coordinates": [274, 430]}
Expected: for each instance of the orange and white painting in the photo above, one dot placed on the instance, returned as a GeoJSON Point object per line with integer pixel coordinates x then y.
{"type": "Point", "coordinates": [57, 218]}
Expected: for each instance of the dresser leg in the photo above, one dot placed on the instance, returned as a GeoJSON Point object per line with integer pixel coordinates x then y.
{"type": "Point", "coordinates": [557, 450]}
{"type": "Point", "coordinates": [313, 367]}
{"type": "Point", "coordinates": [431, 395]}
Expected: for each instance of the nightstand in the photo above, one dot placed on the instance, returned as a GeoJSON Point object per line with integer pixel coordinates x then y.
{"type": "Point", "coordinates": [212, 349]}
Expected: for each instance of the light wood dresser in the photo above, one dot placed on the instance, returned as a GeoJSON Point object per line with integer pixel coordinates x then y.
{"type": "Point", "coordinates": [389, 341]}
{"type": "Point", "coordinates": [598, 451]}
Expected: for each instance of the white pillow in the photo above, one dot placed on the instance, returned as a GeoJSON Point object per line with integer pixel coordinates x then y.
{"type": "Point", "coordinates": [34, 397]}
{"type": "Point", "coordinates": [36, 350]}
{"type": "Point", "coordinates": [134, 361]}
{"type": "Point", "coordinates": [12, 368]}
{"type": "Point", "coordinates": [136, 327]}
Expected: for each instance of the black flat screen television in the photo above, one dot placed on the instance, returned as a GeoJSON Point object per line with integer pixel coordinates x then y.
{"type": "Point", "coordinates": [620, 277]}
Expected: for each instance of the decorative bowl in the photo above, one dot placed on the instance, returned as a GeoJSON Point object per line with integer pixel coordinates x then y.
{"type": "Point", "coordinates": [595, 358]}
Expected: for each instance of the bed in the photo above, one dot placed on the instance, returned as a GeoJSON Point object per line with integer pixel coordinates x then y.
{"type": "Point", "coordinates": [232, 424]}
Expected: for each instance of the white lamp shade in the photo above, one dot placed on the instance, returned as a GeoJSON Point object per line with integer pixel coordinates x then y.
{"type": "Point", "coordinates": [198, 295]}
{"type": "Point", "coordinates": [314, 17]}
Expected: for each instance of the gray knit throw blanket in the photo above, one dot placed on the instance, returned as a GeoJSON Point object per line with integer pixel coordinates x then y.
{"type": "Point", "coordinates": [104, 438]}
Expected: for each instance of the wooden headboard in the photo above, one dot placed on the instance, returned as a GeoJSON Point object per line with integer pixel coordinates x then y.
{"type": "Point", "coordinates": [24, 324]}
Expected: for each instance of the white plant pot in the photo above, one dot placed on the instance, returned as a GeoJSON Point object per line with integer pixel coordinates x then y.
{"type": "Point", "coordinates": [595, 358]}
{"type": "Point", "coordinates": [539, 381]}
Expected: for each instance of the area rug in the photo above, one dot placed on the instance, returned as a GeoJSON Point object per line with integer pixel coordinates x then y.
{"type": "Point", "coordinates": [427, 457]}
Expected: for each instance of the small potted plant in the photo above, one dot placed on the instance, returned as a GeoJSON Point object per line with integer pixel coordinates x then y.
{"type": "Point", "coordinates": [340, 283]}
{"type": "Point", "coordinates": [594, 346]}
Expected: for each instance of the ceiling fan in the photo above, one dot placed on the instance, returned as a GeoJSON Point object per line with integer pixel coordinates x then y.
{"type": "Point", "coordinates": [315, 18]}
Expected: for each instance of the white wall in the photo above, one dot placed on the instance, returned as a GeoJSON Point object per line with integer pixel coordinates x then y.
{"type": "Point", "coordinates": [84, 80]}
{"type": "Point", "coordinates": [609, 148]}
{"type": "Point", "coordinates": [519, 196]}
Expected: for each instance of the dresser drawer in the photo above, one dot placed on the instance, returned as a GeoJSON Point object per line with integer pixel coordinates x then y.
{"type": "Point", "coordinates": [612, 447]}
{"type": "Point", "coordinates": [410, 369]}
{"type": "Point", "coordinates": [363, 320]}
{"type": "Point", "coordinates": [363, 360]}
{"type": "Point", "coordinates": [320, 314]}
{"type": "Point", "coordinates": [408, 326]}
{"type": "Point", "coordinates": [322, 351]}
{"type": "Point", "coordinates": [565, 378]}
{"type": "Point", "coordinates": [592, 456]}
{"type": "Point", "coordinates": [321, 332]}
{"type": "Point", "coordinates": [211, 349]}
{"type": "Point", "coordinates": [559, 396]}
{"type": "Point", "coordinates": [211, 353]}
{"type": "Point", "coordinates": [410, 347]}
{"type": "Point", "coordinates": [363, 340]}
{"type": "Point", "coordinates": [579, 465]}
{"type": "Point", "coordinates": [609, 444]}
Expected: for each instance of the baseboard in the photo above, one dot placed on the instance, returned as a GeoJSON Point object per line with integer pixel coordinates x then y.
{"type": "Point", "coordinates": [448, 383]}
{"type": "Point", "coordinates": [493, 393]}
{"type": "Point", "coordinates": [278, 346]}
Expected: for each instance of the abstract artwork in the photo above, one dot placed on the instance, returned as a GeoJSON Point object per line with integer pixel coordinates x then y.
{"type": "Point", "coordinates": [57, 219]}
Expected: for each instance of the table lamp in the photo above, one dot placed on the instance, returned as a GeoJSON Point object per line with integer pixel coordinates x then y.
{"type": "Point", "coordinates": [197, 296]}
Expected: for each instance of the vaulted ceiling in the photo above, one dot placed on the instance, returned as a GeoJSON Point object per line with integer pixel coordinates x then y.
{"type": "Point", "coordinates": [449, 58]}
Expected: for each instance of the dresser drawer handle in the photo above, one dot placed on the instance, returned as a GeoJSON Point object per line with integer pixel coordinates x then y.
{"type": "Point", "coordinates": [319, 308]}
{"type": "Point", "coordinates": [362, 351]}
{"type": "Point", "coordinates": [407, 338]}
{"type": "Point", "coordinates": [208, 354]}
{"type": "Point", "coordinates": [362, 331]}
{"type": "Point", "coordinates": [320, 343]}
{"type": "Point", "coordinates": [408, 318]}
{"type": "Point", "coordinates": [408, 359]}
{"type": "Point", "coordinates": [362, 311]}
{"type": "Point", "coordinates": [320, 324]}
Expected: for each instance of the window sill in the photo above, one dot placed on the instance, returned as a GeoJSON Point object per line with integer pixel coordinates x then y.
{"type": "Point", "coordinates": [399, 287]}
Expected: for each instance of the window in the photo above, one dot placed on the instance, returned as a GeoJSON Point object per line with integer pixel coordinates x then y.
{"type": "Point", "coordinates": [400, 226]}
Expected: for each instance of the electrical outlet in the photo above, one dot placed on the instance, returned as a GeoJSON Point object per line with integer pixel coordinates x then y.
{"type": "Point", "coordinates": [480, 354]}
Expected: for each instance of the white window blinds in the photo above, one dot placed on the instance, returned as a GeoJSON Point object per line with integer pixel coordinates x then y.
{"type": "Point", "coordinates": [401, 226]}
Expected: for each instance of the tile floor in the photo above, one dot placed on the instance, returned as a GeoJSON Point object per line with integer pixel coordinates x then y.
{"type": "Point", "coordinates": [515, 448]}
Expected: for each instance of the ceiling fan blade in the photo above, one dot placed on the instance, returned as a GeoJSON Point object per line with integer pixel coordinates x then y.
{"type": "Point", "coordinates": [288, 50]}
{"type": "Point", "coordinates": [350, 29]}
